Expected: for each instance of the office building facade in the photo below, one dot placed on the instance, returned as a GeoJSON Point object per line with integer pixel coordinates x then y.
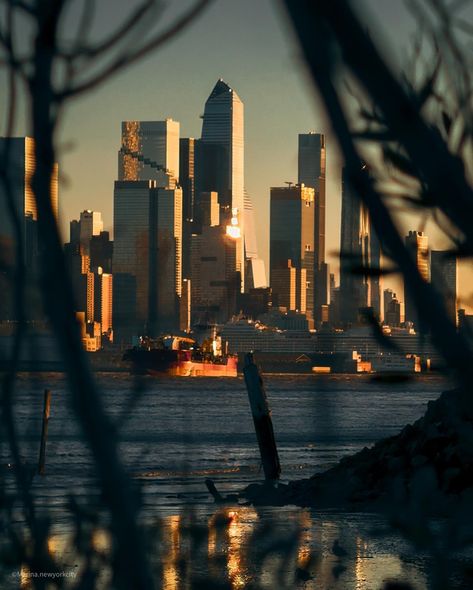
{"type": "Point", "coordinates": [149, 151]}
{"type": "Point", "coordinates": [292, 237]}
{"type": "Point", "coordinates": [147, 258]}
{"type": "Point", "coordinates": [312, 173]}
{"type": "Point", "coordinates": [20, 170]}
{"type": "Point", "coordinates": [220, 162]}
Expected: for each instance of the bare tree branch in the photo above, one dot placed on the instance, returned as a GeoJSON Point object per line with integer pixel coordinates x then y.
{"type": "Point", "coordinates": [311, 22]}
{"type": "Point", "coordinates": [443, 171]}
{"type": "Point", "coordinates": [128, 58]}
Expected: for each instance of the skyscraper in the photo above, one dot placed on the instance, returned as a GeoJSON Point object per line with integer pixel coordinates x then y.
{"type": "Point", "coordinates": [418, 245]}
{"type": "Point", "coordinates": [444, 278]}
{"type": "Point", "coordinates": [90, 224]}
{"type": "Point", "coordinates": [292, 236]}
{"type": "Point", "coordinates": [131, 222]}
{"type": "Point", "coordinates": [214, 282]}
{"type": "Point", "coordinates": [221, 160]}
{"type": "Point", "coordinates": [20, 170]}
{"type": "Point", "coordinates": [150, 151]}
{"type": "Point", "coordinates": [388, 296]}
{"type": "Point", "coordinates": [255, 272]}
{"type": "Point", "coordinates": [21, 166]}
{"type": "Point", "coordinates": [359, 250]}
{"type": "Point", "coordinates": [187, 182]}
{"type": "Point", "coordinates": [312, 172]}
{"type": "Point", "coordinates": [146, 258]}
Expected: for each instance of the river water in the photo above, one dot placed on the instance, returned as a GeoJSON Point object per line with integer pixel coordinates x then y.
{"type": "Point", "coordinates": [174, 433]}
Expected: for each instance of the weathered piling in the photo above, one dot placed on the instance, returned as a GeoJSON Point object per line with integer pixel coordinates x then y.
{"type": "Point", "coordinates": [44, 431]}
{"type": "Point", "coordinates": [262, 419]}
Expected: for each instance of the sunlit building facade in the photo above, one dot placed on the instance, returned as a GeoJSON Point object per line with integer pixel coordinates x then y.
{"type": "Point", "coordinates": [20, 170]}
{"type": "Point", "coordinates": [255, 273]}
{"type": "Point", "coordinates": [149, 151]}
{"type": "Point", "coordinates": [312, 173]}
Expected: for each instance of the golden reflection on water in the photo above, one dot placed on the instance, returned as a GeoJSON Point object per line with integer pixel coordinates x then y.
{"type": "Point", "coordinates": [304, 550]}
{"type": "Point", "coordinates": [170, 558]}
{"type": "Point", "coordinates": [235, 558]}
{"type": "Point", "coordinates": [226, 552]}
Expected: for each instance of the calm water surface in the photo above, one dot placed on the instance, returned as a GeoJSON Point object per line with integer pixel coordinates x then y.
{"type": "Point", "coordinates": [174, 433]}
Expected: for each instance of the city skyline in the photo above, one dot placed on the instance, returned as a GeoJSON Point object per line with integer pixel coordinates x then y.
{"type": "Point", "coordinates": [264, 69]}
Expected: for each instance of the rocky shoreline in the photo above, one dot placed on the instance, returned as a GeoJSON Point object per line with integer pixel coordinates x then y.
{"type": "Point", "coordinates": [428, 464]}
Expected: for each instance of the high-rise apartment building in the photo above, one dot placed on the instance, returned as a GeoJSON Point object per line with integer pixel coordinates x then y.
{"type": "Point", "coordinates": [312, 172]}
{"type": "Point", "coordinates": [444, 277]}
{"type": "Point", "coordinates": [292, 236]}
{"type": "Point", "coordinates": [220, 161]}
{"type": "Point", "coordinates": [359, 250]}
{"type": "Point", "coordinates": [418, 245]}
{"type": "Point", "coordinates": [149, 151]}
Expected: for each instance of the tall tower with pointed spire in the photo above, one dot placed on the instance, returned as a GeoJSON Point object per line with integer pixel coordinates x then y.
{"type": "Point", "coordinates": [221, 161]}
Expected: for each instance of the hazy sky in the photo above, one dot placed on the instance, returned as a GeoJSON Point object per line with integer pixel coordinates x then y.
{"type": "Point", "coordinates": [247, 43]}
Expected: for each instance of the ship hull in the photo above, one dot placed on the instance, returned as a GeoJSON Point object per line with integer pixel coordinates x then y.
{"type": "Point", "coordinates": [198, 369]}
{"type": "Point", "coordinates": [178, 364]}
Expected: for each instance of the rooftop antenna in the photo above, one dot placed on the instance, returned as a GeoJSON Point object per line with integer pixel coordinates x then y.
{"type": "Point", "coordinates": [289, 183]}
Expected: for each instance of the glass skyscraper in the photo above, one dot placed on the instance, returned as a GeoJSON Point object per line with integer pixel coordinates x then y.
{"type": "Point", "coordinates": [292, 239]}
{"type": "Point", "coordinates": [221, 159]}
{"type": "Point", "coordinates": [20, 169]}
{"type": "Point", "coordinates": [146, 258]}
{"type": "Point", "coordinates": [312, 172]}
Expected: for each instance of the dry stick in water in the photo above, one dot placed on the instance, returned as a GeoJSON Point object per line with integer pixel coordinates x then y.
{"type": "Point", "coordinates": [44, 431]}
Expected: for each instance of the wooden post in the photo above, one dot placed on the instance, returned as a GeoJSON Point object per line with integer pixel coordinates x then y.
{"type": "Point", "coordinates": [262, 419]}
{"type": "Point", "coordinates": [44, 431]}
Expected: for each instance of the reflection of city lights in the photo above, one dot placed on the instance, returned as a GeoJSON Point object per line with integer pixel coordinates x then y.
{"type": "Point", "coordinates": [170, 559]}
{"type": "Point", "coordinates": [303, 547]}
{"type": "Point", "coordinates": [234, 557]}
{"type": "Point", "coordinates": [100, 540]}
{"type": "Point", "coordinates": [233, 231]}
